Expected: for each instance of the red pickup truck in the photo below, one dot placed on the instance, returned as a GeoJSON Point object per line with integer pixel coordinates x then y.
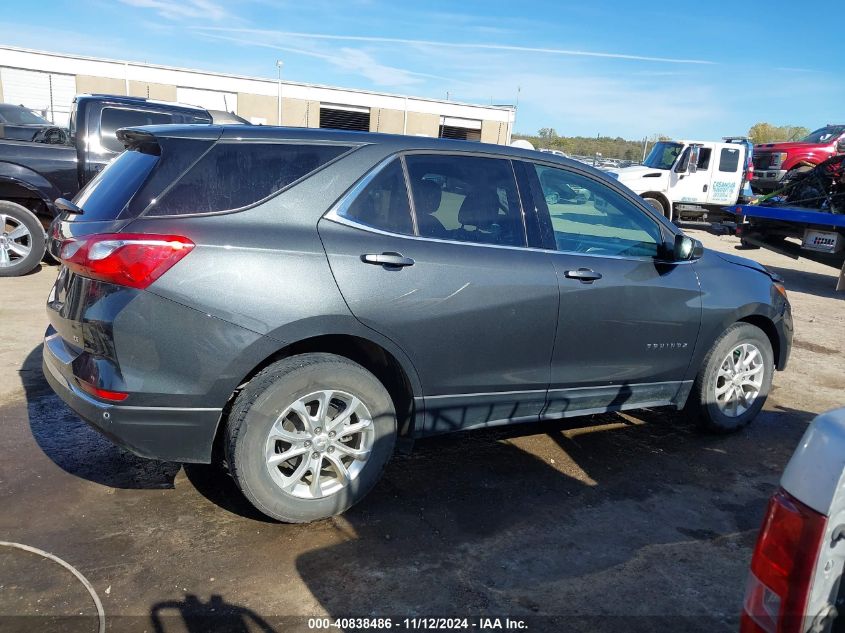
{"type": "Point", "coordinates": [772, 161]}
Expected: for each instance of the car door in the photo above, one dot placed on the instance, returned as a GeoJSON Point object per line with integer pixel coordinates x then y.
{"type": "Point", "coordinates": [728, 173]}
{"type": "Point", "coordinates": [444, 273]}
{"type": "Point", "coordinates": [628, 319]}
{"type": "Point", "coordinates": [692, 186]}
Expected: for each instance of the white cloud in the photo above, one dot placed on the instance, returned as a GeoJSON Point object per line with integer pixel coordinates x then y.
{"type": "Point", "coordinates": [183, 9]}
{"type": "Point", "coordinates": [464, 45]}
{"type": "Point", "coordinates": [351, 60]}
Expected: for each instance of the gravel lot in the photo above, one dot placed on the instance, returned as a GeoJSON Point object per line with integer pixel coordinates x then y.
{"type": "Point", "coordinates": [575, 525]}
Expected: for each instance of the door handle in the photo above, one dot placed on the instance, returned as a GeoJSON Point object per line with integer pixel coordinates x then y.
{"type": "Point", "coordinates": [388, 260]}
{"type": "Point", "coordinates": [705, 189]}
{"type": "Point", "coordinates": [584, 275]}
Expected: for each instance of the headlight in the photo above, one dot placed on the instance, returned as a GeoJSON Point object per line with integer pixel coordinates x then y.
{"type": "Point", "coordinates": [778, 158]}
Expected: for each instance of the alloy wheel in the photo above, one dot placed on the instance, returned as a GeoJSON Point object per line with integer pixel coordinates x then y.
{"type": "Point", "coordinates": [15, 240]}
{"type": "Point", "coordinates": [739, 380]}
{"type": "Point", "coordinates": [319, 444]}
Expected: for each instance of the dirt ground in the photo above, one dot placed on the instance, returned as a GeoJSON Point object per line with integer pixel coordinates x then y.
{"type": "Point", "coordinates": [611, 522]}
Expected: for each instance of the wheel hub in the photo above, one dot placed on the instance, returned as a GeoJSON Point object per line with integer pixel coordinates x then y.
{"type": "Point", "coordinates": [321, 442]}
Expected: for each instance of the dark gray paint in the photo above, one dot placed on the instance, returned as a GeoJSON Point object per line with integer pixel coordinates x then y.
{"type": "Point", "coordinates": [477, 329]}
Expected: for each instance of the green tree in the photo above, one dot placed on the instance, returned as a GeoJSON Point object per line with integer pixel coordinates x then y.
{"type": "Point", "coordinates": [547, 133]}
{"type": "Point", "coordinates": [767, 133]}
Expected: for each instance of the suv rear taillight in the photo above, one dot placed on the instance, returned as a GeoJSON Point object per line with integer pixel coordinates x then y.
{"type": "Point", "coordinates": [126, 259]}
{"type": "Point", "coordinates": [782, 567]}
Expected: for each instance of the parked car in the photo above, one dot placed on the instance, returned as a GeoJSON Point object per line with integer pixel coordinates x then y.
{"type": "Point", "coordinates": [691, 179]}
{"type": "Point", "coordinates": [774, 161]}
{"type": "Point", "coordinates": [59, 163]}
{"type": "Point", "coordinates": [795, 584]}
{"type": "Point", "coordinates": [20, 123]}
{"type": "Point", "coordinates": [296, 300]}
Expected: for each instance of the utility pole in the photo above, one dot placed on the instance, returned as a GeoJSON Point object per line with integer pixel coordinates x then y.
{"type": "Point", "coordinates": [279, 64]}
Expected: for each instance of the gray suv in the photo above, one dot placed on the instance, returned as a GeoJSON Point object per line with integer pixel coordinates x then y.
{"type": "Point", "coordinates": [293, 301]}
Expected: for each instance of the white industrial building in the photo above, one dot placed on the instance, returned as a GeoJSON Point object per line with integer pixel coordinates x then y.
{"type": "Point", "coordinates": [47, 82]}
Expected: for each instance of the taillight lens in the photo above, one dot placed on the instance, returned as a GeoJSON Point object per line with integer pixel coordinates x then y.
{"type": "Point", "coordinates": [782, 567]}
{"type": "Point", "coordinates": [127, 259]}
{"type": "Point", "coordinates": [103, 394]}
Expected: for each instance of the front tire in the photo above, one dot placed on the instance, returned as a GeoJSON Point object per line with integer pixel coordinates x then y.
{"type": "Point", "coordinates": [658, 206]}
{"type": "Point", "coordinates": [309, 436]}
{"type": "Point", "coordinates": [734, 381]}
{"type": "Point", "coordinates": [21, 240]}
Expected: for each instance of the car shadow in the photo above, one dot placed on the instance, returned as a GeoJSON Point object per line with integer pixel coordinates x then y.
{"type": "Point", "coordinates": [504, 521]}
{"type": "Point", "coordinates": [812, 283]}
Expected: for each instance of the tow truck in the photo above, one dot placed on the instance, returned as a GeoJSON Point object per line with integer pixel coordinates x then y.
{"type": "Point", "coordinates": [806, 218]}
{"type": "Point", "coordinates": [693, 180]}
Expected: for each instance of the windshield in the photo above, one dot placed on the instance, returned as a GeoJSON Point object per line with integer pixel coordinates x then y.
{"type": "Point", "coordinates": [663, 155]}
{"type": "Point", "coordinates": [825, 134]}
{"type": "Point", "coordinates": [16, 115]}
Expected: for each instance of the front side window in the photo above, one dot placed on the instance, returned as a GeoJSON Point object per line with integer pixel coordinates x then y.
{"type": "Point", "coordinates": [587, 216]}
{"type": "Point", "coordinates": [703, 163]}
{"type": "Point", "coordinates": [466, 198]}
{"type": "Point", "coordinates": [235, 175]}
{"type": "Point", "coordinates": [383, 202]}
{"type": "Point", "coordinates": [17, 115]}
{"type": "Point", "coordinates": [729, 160]}
{"type": "Point", "coordinates": [112, 119]}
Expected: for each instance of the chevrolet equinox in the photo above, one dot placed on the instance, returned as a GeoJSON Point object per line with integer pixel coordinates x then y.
{"type": "Point", "coordinates": [293, 301]}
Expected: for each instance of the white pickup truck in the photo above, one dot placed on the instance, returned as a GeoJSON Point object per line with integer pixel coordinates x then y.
{"type": "Point", "coordinates": [692, 179]}
{"type": "Point", "coordinates": [795, 584]}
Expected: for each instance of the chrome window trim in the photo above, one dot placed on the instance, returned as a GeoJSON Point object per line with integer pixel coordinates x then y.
{"type": "Point", "coordinates": [335, 214]}
{"type": "Point", "coordinates": [332, 216]}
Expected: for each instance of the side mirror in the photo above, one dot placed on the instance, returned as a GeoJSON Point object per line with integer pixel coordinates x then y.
{"type": "Point", "coordinates": [840, 146]}
{"type": "Point", "coordinates": [686, 248]}
{"type": "Point", "coordinates": [692, 165]}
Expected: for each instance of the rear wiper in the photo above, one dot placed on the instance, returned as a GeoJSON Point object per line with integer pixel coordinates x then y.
{"type": "Point", "coordinates": [66, 205]}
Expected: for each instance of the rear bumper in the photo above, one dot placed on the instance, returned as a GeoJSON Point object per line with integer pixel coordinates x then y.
{"type": "Point", "coordinates": [166, 433]}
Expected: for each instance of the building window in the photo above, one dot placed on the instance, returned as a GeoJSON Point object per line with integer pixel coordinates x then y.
{"type": "Point", "coordinates": [345, 118]}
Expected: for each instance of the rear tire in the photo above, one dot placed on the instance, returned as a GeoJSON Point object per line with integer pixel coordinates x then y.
{"type": "Point", "coordinates": [22, 242]}
{"type": "Point", "coordinates": [734, 381]}
{"type": "Point", "coordinates": [307, 414]}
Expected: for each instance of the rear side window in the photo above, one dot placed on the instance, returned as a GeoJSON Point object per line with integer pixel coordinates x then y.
{"type": "Point", "coordinates": [235, 175]}
{"type": "Point", "coordinates": [466, 198]}
{"type": "Point", "coordinates": [729, 160]}
{"type": "Point", "coordinates": [383, 202]}
{"type": "Point", "coordinates": [112, 119]}
{"type": "Point", "coordinates": [107, 194]}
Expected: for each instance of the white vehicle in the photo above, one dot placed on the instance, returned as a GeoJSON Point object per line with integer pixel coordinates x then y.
{"type": "Point", "coordinates": [691, 178]}
{"type": "Point", "coordinates": [556, 152]}
{"type": "Point", "coordinates": [795, 584]}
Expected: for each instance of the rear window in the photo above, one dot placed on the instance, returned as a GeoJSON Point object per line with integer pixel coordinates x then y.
{"type": "Point", "coordinates": [235, 175]}
{"type": "Point", "coordinates": [729, 160]}
{"type": "Point", "coordinates": [107, 194]}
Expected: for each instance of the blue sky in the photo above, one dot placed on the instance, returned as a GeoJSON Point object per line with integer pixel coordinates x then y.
{"type": "Point", "coordinates": [689, 70]}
